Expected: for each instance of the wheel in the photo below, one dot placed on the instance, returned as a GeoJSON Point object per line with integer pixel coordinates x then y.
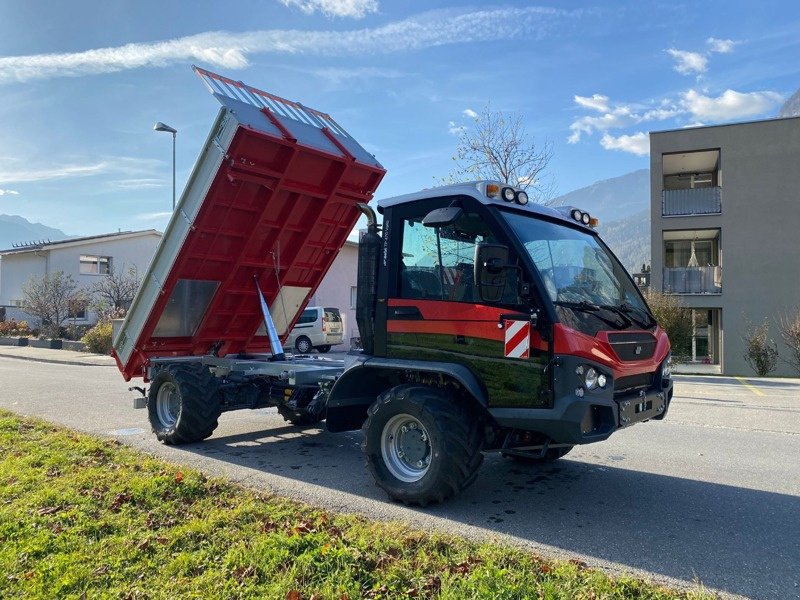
{"type": "Point", "coordinates": [324, 349]}
{"type": "Point", "coordinates": [551, 455]}
{"type": "Point", "coordinates": [303, 345]}
{"type": "Point", "coordinates": [422, 444]}
{"type": "Point", "coordinates": [183, 404]}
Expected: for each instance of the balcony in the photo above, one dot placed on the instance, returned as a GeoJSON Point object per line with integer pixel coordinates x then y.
{"type": "Point", "coordinates": [696, 201]}
{"type": "Point", "coordinates": [693, 280]}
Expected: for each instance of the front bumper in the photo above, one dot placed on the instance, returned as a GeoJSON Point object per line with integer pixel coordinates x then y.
{"type": "Point", "coordinates": [593, 417]}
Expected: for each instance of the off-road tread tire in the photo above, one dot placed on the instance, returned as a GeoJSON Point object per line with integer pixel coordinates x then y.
{"type": "Point", "coordinates": [200, 403]}
{"type": "Point", "coordinates": [552, 455]}
{"type": "Point", "coordinates": [456, 432]}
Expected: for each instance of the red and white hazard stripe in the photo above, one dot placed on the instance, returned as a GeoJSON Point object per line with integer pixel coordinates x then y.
{"type": "Point", "coordinates": [518, 339]}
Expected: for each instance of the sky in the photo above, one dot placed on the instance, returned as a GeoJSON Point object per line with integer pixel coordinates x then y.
{"type": "Point", "coordinates": [82, 84]}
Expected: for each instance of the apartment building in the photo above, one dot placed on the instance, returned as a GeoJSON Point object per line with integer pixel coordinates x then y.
{"type": "Point", "coordinates": [725, 232]}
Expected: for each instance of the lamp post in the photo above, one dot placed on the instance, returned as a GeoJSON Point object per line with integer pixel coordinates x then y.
{"type": "Point", "coordinates": [162, 127]}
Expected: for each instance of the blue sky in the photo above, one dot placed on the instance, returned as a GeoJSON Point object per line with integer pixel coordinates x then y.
{"type": "Point", "coordinates": [82, 83]}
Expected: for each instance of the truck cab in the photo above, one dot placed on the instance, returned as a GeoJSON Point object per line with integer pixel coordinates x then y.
{"type": "Point", "coordinates": [520, 310]}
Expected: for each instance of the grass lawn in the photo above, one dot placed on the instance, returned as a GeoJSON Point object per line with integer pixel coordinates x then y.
{"type": "Point", "coordinates": [87, 517]}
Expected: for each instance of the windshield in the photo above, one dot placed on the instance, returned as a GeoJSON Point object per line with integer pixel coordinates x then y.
{"type": "Point", "coordinates": [575, 267]}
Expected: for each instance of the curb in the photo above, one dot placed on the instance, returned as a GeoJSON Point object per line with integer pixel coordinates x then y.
{"type": "Point", "coordinates": [56, 362]}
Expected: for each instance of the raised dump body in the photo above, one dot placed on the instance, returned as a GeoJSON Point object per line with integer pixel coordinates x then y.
{"type": "Point", "coordinates": [272, 198]}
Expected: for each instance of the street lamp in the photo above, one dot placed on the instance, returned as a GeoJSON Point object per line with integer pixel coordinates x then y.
{"type": "Point", "coordinates": [162, 127]}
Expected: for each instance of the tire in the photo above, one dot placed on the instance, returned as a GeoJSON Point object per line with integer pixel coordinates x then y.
{"type": "Point", "coordinates": [324, 349]}
{"type": "Point", "coordinates": [422, 445]}
{"type": "Point", "coordinates": [551, 455]}
{"type": "Point", "coordinates": [183, 404]}
{"type": "Point", "coordinates": [303, 345]}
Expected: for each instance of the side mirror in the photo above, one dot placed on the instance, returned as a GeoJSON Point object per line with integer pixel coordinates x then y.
{"type": "Point", "coordinates": [491, 262]}
{"type": "Point", "coordinates": [441, 217]}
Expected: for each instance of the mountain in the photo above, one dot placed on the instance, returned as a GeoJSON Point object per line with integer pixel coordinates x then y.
{"type": "Point", "coordinates": [612, 199]}
{"type": "Point", "coordinates": [629, 239]}
{"type": "Point", "coordinates": [623, 206]}
{"type": "Point", "coordinates": [16, 230]}
{"type": "Point", "coordinates": [792, 106]}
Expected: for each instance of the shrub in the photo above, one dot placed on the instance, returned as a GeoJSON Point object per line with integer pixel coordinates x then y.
{"type": "Point", "coordinates": [12, 327]}
{"type": "Point", "coordinates": [761, 352]}
{"type": "Point", "coordinates": [674, 319]}
{"type": "Point", "coordinates": [789, 327]}
{"type": "Point", "coordinates": [98, 338]}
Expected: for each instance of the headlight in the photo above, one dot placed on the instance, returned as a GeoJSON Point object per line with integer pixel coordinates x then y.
{"type": "Point", "coordinates": [666, 369]}
{"type": "Point", "coordinates": [590, 379]}
{"type": "Point", "coordinates": [576, 214]}
{"type": "Point", "coordinates": [522, 198]}
{"type": "Point", "coordinates": [601, 380]}
{"type": "Point", "coordinates": [508, 194]}
{"type": "Point", "coordinates": [585, 218]}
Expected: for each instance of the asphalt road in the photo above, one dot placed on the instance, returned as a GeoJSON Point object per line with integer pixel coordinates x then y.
{"type": "Point", "coordinates": [710, 494]}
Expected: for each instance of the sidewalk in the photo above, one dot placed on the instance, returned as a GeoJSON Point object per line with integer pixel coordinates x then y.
{"type": "Point", "coordinates": [66, 357]}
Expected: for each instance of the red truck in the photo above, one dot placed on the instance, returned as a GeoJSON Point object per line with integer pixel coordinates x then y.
{"type": "Point", "coordinates": [488, 323]}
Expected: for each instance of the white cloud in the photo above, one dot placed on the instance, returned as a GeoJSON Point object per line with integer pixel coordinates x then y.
{"type": "Point", "coordinates": [638, 143]}
{"type": "Point", "coordinates": [138, 184]}
{"type": "Point", "coordinates": [688, 62]}
{"type": "Point", "coordinates": [730, 104]}
{"type": "Point", "coordinates": [355, 9]}
{"type": "Point", "coordinates": [468, 112]}
{"type": "Point", "coordinates": [455, 129]}
{"type": "Point", "coordinates": [62, 172]}
{"type": "Point", "coordinates": [597, 102]}
{"type": "Point", "coordinates": [620, 116]}
{"type": "Point", "coordinates": [231, 50]}
{"type": "Point", "coordinates": [720, 46]}
{"type": "Point", "coordinates": [9, 192]}
{"type": "Point", "coordinates": [153, 216]}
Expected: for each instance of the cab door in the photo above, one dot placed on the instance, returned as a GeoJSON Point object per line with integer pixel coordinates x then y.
{"type": "Point", "coordinates": [434, 311]}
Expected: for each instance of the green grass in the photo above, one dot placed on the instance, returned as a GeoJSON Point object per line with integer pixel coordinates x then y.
{"type": "Point", "coordinates": [86, 517]}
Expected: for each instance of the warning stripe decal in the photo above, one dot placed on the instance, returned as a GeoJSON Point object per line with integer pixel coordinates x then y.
{"type": "Point", "coordinates": [518, 339]}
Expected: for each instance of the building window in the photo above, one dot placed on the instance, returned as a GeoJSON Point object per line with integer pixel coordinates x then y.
{"type": "Point", "coordinates": [353, 296]}
{"type": "Point", "coordinates": [95, 265]}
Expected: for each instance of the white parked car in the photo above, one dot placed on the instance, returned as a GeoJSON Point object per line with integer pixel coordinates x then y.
{"type": "Point", "coordinates": [318, 328]}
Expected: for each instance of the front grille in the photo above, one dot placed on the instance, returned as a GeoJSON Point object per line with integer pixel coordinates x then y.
{"type": "Point", "coordinates": [632, 383]}
{"type": "Point", "coordinates": [632, 346]}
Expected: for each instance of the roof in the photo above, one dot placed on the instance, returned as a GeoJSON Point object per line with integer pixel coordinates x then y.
{"type": "Point", "coordinates": [773, 120]}
{"type": "Point", "coordinates": [77, 241]}
{"type": "Point", "coordinates": [477, 190]}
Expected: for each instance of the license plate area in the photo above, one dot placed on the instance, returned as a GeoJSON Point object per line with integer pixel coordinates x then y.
{"type": "Point", "coordinates": [640, 407]}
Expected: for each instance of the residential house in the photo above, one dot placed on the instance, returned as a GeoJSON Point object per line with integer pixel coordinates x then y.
{"type": "Point", "coordinates": [725, 208]}
{"type": "Point", "coordinates": [338, 290]}
{"type": "Point", "coordinates": [85, 259]}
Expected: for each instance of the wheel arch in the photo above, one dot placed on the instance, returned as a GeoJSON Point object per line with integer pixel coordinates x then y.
{"type": "Point", "coordinates": [359, 387]}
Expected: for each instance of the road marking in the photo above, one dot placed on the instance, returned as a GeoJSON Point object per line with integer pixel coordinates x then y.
{"type": "Point", "coordinates": [752, 388]}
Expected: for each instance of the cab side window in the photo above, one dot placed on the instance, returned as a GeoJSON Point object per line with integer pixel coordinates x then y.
{"type": "Point", "coordinates": [438, 263]}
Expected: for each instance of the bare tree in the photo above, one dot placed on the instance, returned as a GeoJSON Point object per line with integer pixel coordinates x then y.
{"type": "Point", "coordinates": [51, 298]}
{"type": "Point", "coordinates": [789, 326]}
{"type": "Point", "coordinates": [115, 292]}
{"type": "Point", "coordinates": [498, 147]}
